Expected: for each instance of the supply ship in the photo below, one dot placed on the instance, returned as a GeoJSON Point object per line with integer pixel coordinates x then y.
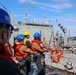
{"type": "Point", "coordinates": [66, 63]}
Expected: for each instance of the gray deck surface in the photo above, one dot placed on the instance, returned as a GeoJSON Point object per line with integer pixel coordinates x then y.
{"type": "Point", "coordinates": [48, 72]}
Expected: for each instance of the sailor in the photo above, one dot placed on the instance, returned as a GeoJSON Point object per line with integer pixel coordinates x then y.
{"type": "Point", "coordinates": [27, 43]}
{"type": "Point", "coordinates": [21, 53]}
{"type": "Point", "coordinates": [7, 65]}
{"type": "Point", "coordinates": [39, 48]}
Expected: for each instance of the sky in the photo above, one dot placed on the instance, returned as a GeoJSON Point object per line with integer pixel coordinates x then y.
{"type": "Point", "coordinates": [46, 11]}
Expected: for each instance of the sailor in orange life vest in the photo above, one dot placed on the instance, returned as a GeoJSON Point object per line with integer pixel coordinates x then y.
{"type": "Point", "coordinates": [7, 65]}
{"type": "Point", "coordinates": [21, 53]}
{"type": "Point", "coordinates": [39, 48]}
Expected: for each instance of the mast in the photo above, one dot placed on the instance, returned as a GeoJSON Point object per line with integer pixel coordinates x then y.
{"type": "Point", "coordinates": [64, 31]}
{"type": "Point", "coordinates": [34, 15]}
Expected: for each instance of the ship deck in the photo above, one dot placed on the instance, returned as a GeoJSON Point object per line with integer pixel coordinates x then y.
{"type": "Point", "coordinates": [49, 71]}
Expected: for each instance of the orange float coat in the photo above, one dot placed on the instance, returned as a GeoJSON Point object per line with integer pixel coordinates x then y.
{"type": "Point", "coordinates": [8, 48]}
{"type": "Point", "coordinates": [4, 54]}
{"type": "Point", "coordinates": [19, 54]}
{"type": "Point", "coordinates": [39, 42]}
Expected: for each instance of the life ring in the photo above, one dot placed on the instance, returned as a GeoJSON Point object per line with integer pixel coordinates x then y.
{"type": "Point", "coordinates": [56, 54]}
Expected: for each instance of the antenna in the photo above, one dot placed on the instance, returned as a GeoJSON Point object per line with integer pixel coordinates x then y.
{"type": "Point", "coordinates": [4, 7]}
{"type": "Point", "coordinates": [34, 13]}
{"type": "Point", "coordinates": [42, 16]}
{"type": "Point", "coordinates": [29, 13]}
